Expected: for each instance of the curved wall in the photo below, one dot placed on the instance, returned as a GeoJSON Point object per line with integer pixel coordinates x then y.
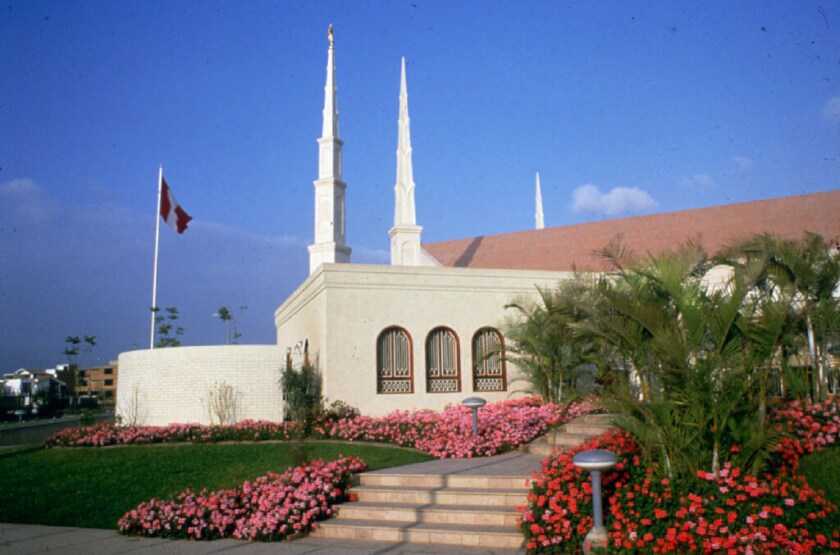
{"type": "Point", "coordinates": [174, 385]}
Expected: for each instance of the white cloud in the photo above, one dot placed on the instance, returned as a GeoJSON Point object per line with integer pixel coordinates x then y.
{"type": "Point", "coordinates": [19, 187]}
{"type": "Point", "coordinates": [743, 163]}
{"type": "Point", "coordinates": [831, 110]}
{"type": "Point", "coordinates": [619, 200]}
{"type": "Point", "coordinates": [697, 181]}
{"type": "Point", "coordinates": [27, 199]}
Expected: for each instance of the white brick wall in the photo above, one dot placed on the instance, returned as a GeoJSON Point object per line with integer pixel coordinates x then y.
{"type": "Point", "coordinates": [172, 385]}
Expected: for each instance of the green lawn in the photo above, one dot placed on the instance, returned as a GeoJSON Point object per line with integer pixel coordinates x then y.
{"type": "Point", "coordinates": [822, 470]}
{"type": "Point", "coordinates": [93, 488]}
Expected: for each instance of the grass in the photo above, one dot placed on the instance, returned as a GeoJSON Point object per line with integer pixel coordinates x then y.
{"type": "Point", "coordinates": [821, 471]}
{"type": "Point", "coordinates": [93, 488]}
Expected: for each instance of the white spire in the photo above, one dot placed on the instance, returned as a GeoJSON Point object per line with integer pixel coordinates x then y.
{"type": "Point", "coordinates": [539, 215]}
{"type": "Point", "coordinates": [405, 235]}
{"type": "Point", "coordinates": [330, 128]}
{"type": "Point", "coordinates": [329, 244]}
{"type": "Point", "coordinates": [404, 213]}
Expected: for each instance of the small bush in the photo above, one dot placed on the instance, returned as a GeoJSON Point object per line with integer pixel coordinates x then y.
{"type": "Point", "coordinates": [339, 409]}
{"type": "Point", "coordinates": [301, 394]}
{"type": "Point", "coordinates": [87, 418]}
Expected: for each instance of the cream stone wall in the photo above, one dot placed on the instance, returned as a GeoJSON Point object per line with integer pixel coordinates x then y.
{"type": "Point", "coordinates": [342, 308]}
{"type": "Point", "coordinates": [172, 385]}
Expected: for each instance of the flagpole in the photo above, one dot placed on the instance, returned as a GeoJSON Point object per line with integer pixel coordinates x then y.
{"type": "Point", "coordinates": [154, 273]}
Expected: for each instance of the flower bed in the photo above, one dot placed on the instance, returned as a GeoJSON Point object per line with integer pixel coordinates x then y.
{"type": "Point", "coordinates": [272, 507]}
{"type": "Point", "coordinates": [502, 426]}
{"type": "Point", "coordinates": [102, 434]}
{"type": "Point", "coordinates": [776, 513]}
{"type": "Point", "coordinates": [812, 427]}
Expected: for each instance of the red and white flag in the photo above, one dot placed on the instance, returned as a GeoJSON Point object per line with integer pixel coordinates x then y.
{"type": "Point", "coordinates": [170, 211]}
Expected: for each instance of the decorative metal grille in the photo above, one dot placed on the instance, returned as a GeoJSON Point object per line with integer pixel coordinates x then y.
{"type": "Point", "coordinates": [442, 386]}
{"type": "Point", "coordinates": [488, 361]}
{"type": "Point", "coordinates": [489, 384]}
{"type": "Point", "coordinates": [395, 386]}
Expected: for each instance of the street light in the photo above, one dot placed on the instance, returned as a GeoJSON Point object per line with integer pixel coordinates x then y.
{"type": "Point", "coordinates": [474, 403]}
{"type": "Point", "coordinates": [595, 461]}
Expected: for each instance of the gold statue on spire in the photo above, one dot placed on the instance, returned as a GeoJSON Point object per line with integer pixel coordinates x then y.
{"type": "Point", "coordinates": [330, 35]}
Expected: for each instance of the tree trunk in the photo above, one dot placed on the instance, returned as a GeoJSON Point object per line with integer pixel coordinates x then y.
{"type": "Point", "coordinates": [812, 351]}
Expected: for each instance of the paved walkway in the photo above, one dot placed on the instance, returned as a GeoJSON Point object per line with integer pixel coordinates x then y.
{"type": "Point", "coordinates": [25, 539]}
{"type": "Point", "coordinates": [509, 464]}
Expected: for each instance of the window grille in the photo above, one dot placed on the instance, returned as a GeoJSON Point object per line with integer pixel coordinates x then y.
{"type": "Point", "coordinates": [393, 362]}
{"type": "Point", "coordinates": [443, 369]}
{"type": "Point", "coordinates": [488, 348]}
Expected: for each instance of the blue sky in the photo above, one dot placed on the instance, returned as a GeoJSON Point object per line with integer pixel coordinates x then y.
{"type": "Point", "coordinates": [624, 108]}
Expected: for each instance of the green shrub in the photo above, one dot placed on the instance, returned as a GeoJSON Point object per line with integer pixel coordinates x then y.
{"type": "Point", "coordinates": [88, 418]}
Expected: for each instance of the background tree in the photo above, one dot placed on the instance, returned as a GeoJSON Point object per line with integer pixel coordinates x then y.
{"type": "Point", "coordinates": [226, 317]}
{"type": "Point", "coordinates": [225, 314]}
{"type": "Point", "coordinates": [74, 349]}
{"type": "Point", "coordinates": [169, 335]}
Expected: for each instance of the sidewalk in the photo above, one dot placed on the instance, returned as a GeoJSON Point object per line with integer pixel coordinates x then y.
{"type": "Point", "coordinates": [25, 539]}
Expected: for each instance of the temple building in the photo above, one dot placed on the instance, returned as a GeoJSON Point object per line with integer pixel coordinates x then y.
{"type": "Point", "coordinates": [415, 333]}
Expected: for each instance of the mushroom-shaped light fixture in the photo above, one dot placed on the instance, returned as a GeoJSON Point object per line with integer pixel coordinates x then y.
{"type": "Point", "coordinates": [595, 461]}
{"type": "Point", "coordinates": [474, 403]}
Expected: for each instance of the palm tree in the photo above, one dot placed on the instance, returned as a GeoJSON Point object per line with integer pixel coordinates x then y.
{"type": "Point", "coordinates": [810, 268]}
{"type": "Point", "coordinates": [692, 351]}
{"type": "Point", "coordinates": [541, 344]}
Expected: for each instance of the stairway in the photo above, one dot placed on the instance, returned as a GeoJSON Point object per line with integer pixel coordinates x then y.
{"type": "Point", "coordinates": [462, 510]}
{"type": "Point", "coordinates": [572, 434]}
{"type": "Point", "coordinates": [462, 502]}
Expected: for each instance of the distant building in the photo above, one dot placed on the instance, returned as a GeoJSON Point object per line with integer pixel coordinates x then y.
{"type": "Point", "coordinates": [29, 390]}
{"type": "Point", "coordinates": [99, 382]}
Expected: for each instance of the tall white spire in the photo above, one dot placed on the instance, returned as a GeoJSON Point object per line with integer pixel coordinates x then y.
{"type": "Point", "coordinates": [329, 244]}
{"type": "Point", "coordinates": [405, 235]}
{"type": "Point", "coordinates": [404, 213]}
{"type": "Point", "coordinates": [330, 127]}
{"type": "Point", "coordinates": [540, 223]}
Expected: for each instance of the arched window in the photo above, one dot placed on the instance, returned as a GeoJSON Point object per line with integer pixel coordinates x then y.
{"type": "Point", "coordinates": [393, 362]}
{"type": "Point", "coordinates": [443, 366]}
{"type": "Point", "coordinates": [488, 358]}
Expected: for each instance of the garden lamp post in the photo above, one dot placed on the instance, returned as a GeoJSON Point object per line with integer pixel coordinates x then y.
{"type": "Point", "coordinates": [595, 461]}
{"type": "Point", "coordinates": [474, 403]}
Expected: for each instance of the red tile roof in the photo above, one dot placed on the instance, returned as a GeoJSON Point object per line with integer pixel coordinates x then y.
{"type": "Point", "coordinates": [566, 247]}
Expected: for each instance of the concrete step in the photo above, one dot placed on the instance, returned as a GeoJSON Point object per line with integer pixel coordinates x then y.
{"type": "Point", "coordinates": [420, 532]}
{"type": "Point", "coordinates": [546, 445]}
{"type": "Point", "coordinates": [566, 439]}
{"type": "Point", "coordinates": [606, 419]}
{"type": "Point", "coordinates": [541, 449]}
{"type": "Point", "coordinates": [444, 481]}
{"type": "Point", "coordinates": [585, 428]}
{"type": "Point", "coordinates": [571, 434]}
{"type": "Point", "coordinates": [431, 514]}
{"type": "Point", "coordinates": [489, 497]}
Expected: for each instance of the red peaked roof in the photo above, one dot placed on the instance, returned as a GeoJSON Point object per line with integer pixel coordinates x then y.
{"type": "Point", "coordinates": [566, 247]}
